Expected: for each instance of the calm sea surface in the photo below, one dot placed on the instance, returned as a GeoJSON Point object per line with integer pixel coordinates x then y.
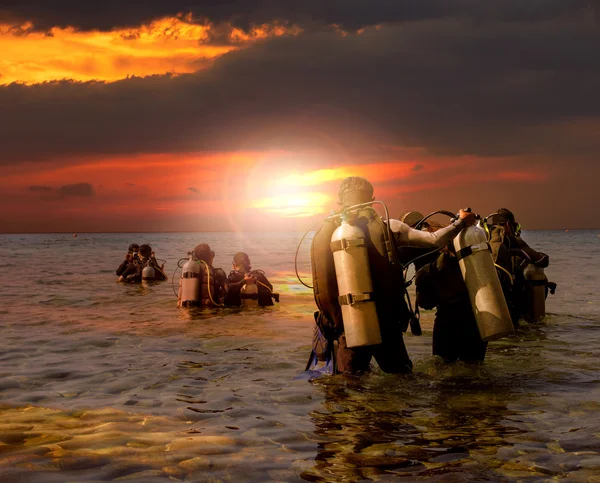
{"type": "Point", "coordinates": [101, 381]}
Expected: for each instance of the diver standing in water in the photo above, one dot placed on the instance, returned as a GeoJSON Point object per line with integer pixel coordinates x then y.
{"type": "Point", "coordinates": [132, 254]}
{"type": "Point", "coordinates": [383, 296]}
{"type": "Point", "coordinates": [242, 280]}
{"type": "Point", "coordinates": [143, 267]}
{"type": "Point", "coordinates": [520, 267]}
{"type": "Point", "coordinates": [440, 285]}
{"type": "Point", "coordinates": [201, 285]}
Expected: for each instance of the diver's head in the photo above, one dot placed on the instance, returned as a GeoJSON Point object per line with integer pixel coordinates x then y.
{"type": "Point", "coordinates": [505, 218]}
{"type": "Point", "coordinates": [355, 190]}
{"type": "Point", "coordinates": [204, 253]}
{"type": "Point", "coordinates": [241, 262]}
{"type": "Point", "coordinates": [145, 251]}
{"type": "Point", "coordinates": [134, 248]}
{"type": "Point", "coordinates": [411, 218]}
{"type": "Point", "coordinates": [507, 214]}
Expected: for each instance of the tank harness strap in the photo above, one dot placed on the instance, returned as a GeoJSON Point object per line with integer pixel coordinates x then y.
{"type": "Point", "coordinates": [537, 283]}
{"type": "Point", "coordinates": [249, 296]}
{"type": "Point", "coordinates": [465, 252]}
{"type": "Point", "coordinates": [345, 243]}
{"type": "Point", "coordinates": [190, 275]}
{"type": "Point", "coordinates": [354, 298]}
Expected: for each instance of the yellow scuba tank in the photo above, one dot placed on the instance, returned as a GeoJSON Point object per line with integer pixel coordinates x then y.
{"type": "Point", "coordinates": [480, 276]}
{"type": "Point", "coordinates": [189, 293]}
{"type": "Point", "coordinates": [249, 295]}
{"type": "Point", "coordinates": [536, 293]}
{"type": "Point", "coordinates": [355, 286]}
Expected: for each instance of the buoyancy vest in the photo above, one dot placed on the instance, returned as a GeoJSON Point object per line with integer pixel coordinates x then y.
{"type": "Point", "coordinates": [386, 274]}
{"type": "Point", "coordinates": [265, 288]}
{"type": "Point", "coordinates": [211, 279]}
{"type": "Point", "coordinates": [325, 286]}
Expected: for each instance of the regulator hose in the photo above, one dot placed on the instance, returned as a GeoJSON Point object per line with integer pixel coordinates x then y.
{"type": "Point", "coordinates": [336, 215]}
{"type": "Point", "coordinates": [173, 279]}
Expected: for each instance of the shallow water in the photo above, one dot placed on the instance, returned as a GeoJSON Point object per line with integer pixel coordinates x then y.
{"type": "Point", "coordinates": [105, 382]}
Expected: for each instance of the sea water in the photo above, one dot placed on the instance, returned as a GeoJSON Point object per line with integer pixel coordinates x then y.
{"type": "Point", "coordinates": [101, 381]}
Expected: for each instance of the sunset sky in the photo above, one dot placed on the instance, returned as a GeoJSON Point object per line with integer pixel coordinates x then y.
{"type": "Point", "coordinates": [246, 115]}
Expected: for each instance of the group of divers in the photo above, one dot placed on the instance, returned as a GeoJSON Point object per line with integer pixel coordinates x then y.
{"type": "Point", "coordinates": [478, 274]}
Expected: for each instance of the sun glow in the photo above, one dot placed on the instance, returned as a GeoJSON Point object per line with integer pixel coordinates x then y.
{"type": "Point", "coordinates": [295, 205]}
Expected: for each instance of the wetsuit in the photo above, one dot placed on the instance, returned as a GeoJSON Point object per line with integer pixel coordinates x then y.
{"type": "Point", "coordinates": [122, 268]}
{"type": "Point", "coordinates": [235, 282]}
{"type": "Point", "coordinates": [388, 285]}
{"type": "Point", "coordinates": [126, 263]}
{"type": "Point", "coordinates": [133, 272]}
{"type": "Point", "coordinates": [455, 335]}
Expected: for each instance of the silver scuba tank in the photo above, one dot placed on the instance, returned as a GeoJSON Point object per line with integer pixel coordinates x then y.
{"type": "Point", "coordinates": [148, 273]}
{"type": "Point", "coordinates": [536, 293]}
{"type": "Point", "coordinates": [191, 279]}
{"type": "Point", "coordinates": [355, 286]}
{"type": "Point", "coordinates": [480, 276]}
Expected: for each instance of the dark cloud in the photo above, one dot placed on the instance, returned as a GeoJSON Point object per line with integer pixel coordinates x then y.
{"type": "Point", "coordinates": [350, 14]}
{"type": "Point", "coordinates": [77, 189]}
{"type": "Point", "coordinates": [40, 189]}
{"type": "Point", "coordinates": [418, 167]}
{"type": "Point", "coordinates": [449, 85]}
{"type": "Point", "coordinates": [193, 190]}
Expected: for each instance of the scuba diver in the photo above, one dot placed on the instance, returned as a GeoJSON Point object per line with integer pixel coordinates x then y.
{"type": "Point", "coordinates": [201, 285]}
{"type": "Point", "coordinates": [144, 267]}
{"type": "Point", "coordinates": [247, 286]}
{"type": "Point", "coordinates": [368, 319]}
{"type": "Point", "coordinates": [520, 267]}
{"type": "Point", "coordinates": [132, 254]}
{"type": "Point", "coordinates": [440, 285]}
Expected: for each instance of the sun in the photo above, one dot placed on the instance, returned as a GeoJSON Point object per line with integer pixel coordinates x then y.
{"type": "Point", "coordinates": [291, 194]}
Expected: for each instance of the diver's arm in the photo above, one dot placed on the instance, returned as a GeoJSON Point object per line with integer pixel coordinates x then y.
{"type": "Point", "coordinates": [122, 267]}
{"type": "Point", "coordinates": [407, 236]}
{"type": "Point", "coordinates": [537, 258]}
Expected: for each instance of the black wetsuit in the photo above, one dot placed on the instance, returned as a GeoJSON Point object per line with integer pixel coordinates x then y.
{"type": "Point", "coordinates": [133, 272]}
{"type": "Point", "coordinates": [126, 263]}
{"type": "Point", "coordinates": [122, 268]}
{"type": "Point", "coordinates": [455, 335]}
{"type": "Point", "coordinates": [235, 282]}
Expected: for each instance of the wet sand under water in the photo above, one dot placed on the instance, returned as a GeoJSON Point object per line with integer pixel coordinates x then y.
{"type": "Point", "coordinates": [105, 382]}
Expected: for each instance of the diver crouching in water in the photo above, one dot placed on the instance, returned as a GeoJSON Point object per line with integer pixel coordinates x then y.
{"type": "Point", "coordinates": [382, 298]}
{"type": "Point", "coordinates": [247, 286]}
{"type": "Point", "coordinates": [201, 285]}
{"type": "Point", "coordinates": [144, 267]}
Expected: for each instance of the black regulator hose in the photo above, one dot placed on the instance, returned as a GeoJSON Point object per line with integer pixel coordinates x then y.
{"type": "Point", "coordinates": [298, 250]}
{"type": "Point", "coordinates": [438, 212]}
{"type": "Point", "coordinates": [173, 279]}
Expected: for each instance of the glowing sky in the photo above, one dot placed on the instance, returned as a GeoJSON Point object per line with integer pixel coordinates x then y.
{"type": "Point", "coordinates": [226, 118]}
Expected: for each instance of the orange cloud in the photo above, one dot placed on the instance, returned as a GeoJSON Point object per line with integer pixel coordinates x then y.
{"type": "Point", "coordinates": [172, 44]}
